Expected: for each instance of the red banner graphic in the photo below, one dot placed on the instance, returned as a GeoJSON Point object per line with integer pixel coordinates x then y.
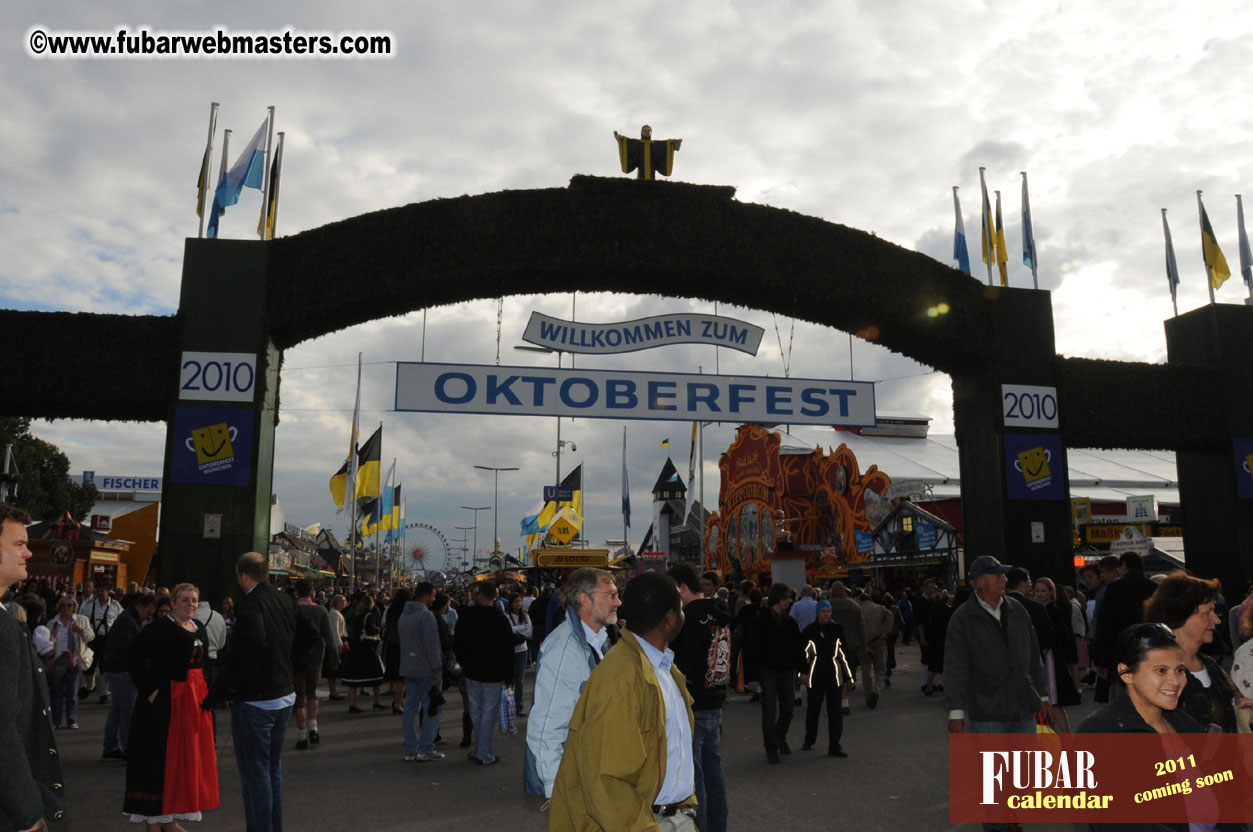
{"type": "Point", "coordinates": [1100, 778]}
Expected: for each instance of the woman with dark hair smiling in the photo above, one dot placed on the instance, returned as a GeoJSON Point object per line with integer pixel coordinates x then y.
{"type": "Point", "coordinates": [1150, 665]}
{"type": "Point", "coordinates": [1186, 605]}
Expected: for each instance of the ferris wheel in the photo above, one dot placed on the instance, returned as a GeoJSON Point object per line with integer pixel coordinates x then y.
{"type": "Point", "coordinates": [426, 549]}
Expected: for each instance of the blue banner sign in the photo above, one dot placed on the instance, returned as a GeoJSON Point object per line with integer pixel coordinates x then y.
{"type": "Point", "coordinates": [1033, 466]}
{"type": "Point", "coordinates": [865, 542]}
{"type": "Point", "coordinates": [924, 535]}
{"type": "Point", "coordinates": [642, 334]}
{"type": "Point", "coordinates": [606, 394]}
{"type": "Point", "coordinates": [553, 494]}
{"type": "Point", "coordinates": [212, 446]}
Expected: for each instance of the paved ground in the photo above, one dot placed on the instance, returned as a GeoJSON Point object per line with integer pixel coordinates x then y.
{"type": "Point", "coordinates": [894, 778]}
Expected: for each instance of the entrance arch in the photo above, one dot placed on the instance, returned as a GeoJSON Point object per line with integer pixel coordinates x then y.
{"type": "Point", "coordinates": [626, 236]}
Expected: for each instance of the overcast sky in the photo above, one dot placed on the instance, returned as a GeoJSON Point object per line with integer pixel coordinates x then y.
{"type": "Point", "coordinates": [859, 113]}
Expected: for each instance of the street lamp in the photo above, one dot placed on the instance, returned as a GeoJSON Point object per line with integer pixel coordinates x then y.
{"type": "Point", "coordinates": [561, 443]}
{"type": "Point", "coordinates": [495, 500]}
{"type": "Point", "coordinates": [462, 540]}
{"type": "Point", "coordinates": [476, 510]}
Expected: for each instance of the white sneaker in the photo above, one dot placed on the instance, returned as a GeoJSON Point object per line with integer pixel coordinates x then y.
{"type": "Point", "coordinates": [428, 758]}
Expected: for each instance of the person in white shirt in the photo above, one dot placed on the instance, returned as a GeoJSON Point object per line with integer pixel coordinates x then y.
{"type": "Point", "coordinates": [101, 610]}
{"type": "Point", "coordinates": [70, 633]}
{"type": "Point", "coordinates": [521, 624]}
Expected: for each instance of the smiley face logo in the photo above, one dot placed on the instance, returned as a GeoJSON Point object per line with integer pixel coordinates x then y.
{"type": "Point", "coordinates": [1033, 464]}
{"type": "Point", "coordinates": [212, 443]}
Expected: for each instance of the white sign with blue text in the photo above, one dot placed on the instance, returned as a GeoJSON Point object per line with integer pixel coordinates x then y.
{"type": "Point", "coordinates": [218, 376]}
{"type": "Point", "coordinates": [615, 394]}
{"type": "Point", "coordinates": [642, 334]}
{"type": "Point", "coordinates": [1026, 406]}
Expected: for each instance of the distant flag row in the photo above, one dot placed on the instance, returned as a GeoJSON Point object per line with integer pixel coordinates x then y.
{"type": "Point", "coordinates": [249, 171]}
{"type": "Point", "coordinates": [1216, 268]}
{"type": "Point", "coordinates": [992, 234]}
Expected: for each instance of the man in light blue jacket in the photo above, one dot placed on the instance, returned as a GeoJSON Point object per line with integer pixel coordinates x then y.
{"type": "Point", "coordinates": [566, 659]}
{"type": "Point", "coordinates": [422, 666]}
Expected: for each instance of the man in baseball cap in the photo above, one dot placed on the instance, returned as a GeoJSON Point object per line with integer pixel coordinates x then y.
{"type": "Point", "coordinates": [995, 681]}
{"type": "Point", "coordinates": [988, 565]}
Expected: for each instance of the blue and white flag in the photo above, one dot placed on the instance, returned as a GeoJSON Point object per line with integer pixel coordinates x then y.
{"type": "Point", "coordinates": [1172, 268]}
{"type": "Point", "coordinates": [1028, 236]}
{"type": "Point", "coordinates": [960, 252]}
{"type": "Point", "coordinates": [1246, 257]}
{"type": "Point", "coordinates": [247, 172]}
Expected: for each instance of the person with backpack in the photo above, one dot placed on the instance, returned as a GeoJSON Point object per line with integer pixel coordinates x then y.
{"type": "Point", "coordinates": [702, 651]}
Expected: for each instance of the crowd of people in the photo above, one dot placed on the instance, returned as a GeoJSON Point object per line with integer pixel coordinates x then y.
{"type": "Point", "coordinates": [624, 720]}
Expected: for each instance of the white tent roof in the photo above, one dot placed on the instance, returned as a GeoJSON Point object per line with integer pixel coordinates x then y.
{"type": "Point", "coordinates": [1098, 474]}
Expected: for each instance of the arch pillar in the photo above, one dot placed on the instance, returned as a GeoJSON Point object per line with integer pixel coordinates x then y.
{"type": "Point", "coordinates": [215, 508]}
{"type": "Point", "coordinates": [1218, 521]}
{"type": "Point", "coordinates": [1021, 352]}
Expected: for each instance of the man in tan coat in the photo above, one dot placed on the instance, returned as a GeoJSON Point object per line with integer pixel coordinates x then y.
{"type": "Point", "coordinates": [874, 653]}
{"type": "Point", "coordinates": [627, 764]}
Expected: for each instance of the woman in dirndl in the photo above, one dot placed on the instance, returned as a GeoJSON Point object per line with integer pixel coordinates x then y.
{"type": "Point", "coordinates": [363, 668]}
{"type": "Point", "coordinates": [171, 766]}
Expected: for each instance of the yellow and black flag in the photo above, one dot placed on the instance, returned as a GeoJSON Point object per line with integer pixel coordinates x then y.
{"type": "Point", "coordinates": [370, 516]}
{"type": "Point", "coordinates": [339, 485]}
{"type": "Point", "coordinates": [368, 459]}
{"type": "Point", "coordinates": [269, 218]}
{"type": "Point", "coordinates": [1002, 253]}
{"type": "Point", "coordinates": [1216, 267]}
{"type": "Point", "coordinates": [203, 183]}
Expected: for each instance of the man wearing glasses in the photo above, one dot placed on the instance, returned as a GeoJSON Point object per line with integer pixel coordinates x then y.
{"type": "Point", "coordinates": [566, 659]}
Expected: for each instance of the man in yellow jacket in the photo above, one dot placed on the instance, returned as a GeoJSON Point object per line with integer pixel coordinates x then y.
{"type": "Point", "coordinates": [627, 765]}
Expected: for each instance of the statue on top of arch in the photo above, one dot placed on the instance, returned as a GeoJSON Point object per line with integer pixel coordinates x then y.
{"type": "Point", "coordinates": [645, 154]}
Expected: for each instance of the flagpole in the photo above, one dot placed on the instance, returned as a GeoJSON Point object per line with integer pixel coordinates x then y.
{"type": "Point", "coordinates": [265, 169]}
{"type": "Point", "coordinates": [352, 482]}
{"type": "Point", "coordinates": [207, 164]}
{"type": "Point", "coordinates": [700, 472]}
{"type": "Point", "coordinates": [226, 144]}
{"type": "Point", "coordinates": [1026, 214]}
{"type": "Point", "coordinates": [989, 243]}
{"type": "Point", "coordinates": [626, 543]}
{"type": "Point", "coordinates": [1200, 217]}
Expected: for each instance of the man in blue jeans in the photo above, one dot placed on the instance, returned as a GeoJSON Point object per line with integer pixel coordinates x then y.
{"type": "Point", "coordinates": [702, 651]}
{"type": "Point", "coordinates": [422, 668]}
{"type": "Point", "coordinates": [256, 676]}
{"type": "Point", "coordinates": [484, 647]}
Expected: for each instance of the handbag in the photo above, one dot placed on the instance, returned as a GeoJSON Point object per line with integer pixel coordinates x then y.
{"type": "Point", "coordinates": [86, 656]}
{"type": "Point", "coordinates": [508, 713]}
{"type": "Point", "coordinates": [436, 702]}
{"type": "Point", "coordinates": [56, 669]}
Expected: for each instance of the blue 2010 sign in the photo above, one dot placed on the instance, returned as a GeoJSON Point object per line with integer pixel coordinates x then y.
{"type": "Point", "coordinates": [218, 376]}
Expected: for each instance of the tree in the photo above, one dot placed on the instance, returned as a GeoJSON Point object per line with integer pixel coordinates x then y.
{"type": "Point", "coordinates": [42, 476]}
